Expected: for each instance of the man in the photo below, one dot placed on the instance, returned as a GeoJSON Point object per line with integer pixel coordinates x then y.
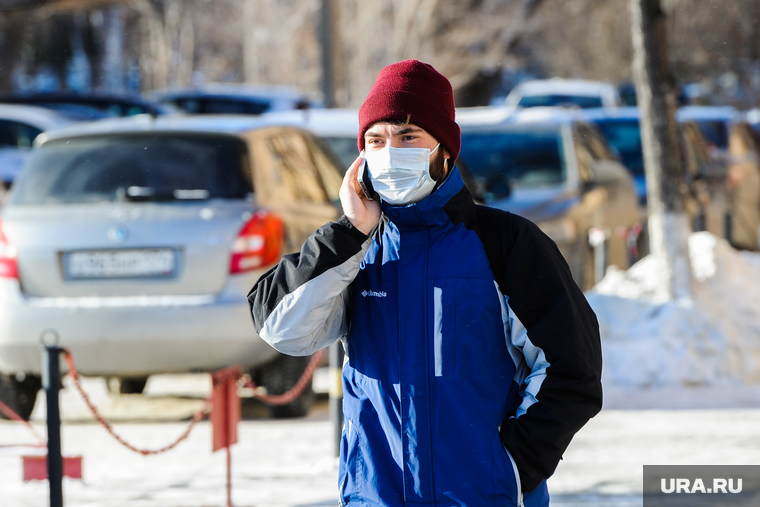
{"type": "Point", "coordinates": [472, 357]}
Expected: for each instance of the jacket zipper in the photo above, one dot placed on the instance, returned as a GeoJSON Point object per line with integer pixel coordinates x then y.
{"type": "Point", "coordinates": [517, 479]}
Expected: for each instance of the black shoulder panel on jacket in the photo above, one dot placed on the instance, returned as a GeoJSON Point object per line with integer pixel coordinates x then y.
{"type": "Point", "coordinates": [460, 209]}
{"type": "Point", "coordinates": [494, 226]}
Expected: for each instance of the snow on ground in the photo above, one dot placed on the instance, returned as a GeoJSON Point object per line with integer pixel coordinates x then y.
{"type": "Point", "coordinates": [709, 341]}
{"type": "Point", "coordinates": [665, 364]}
{"type": "Point", "coordinates": [289, 463]}
{"type": "Point", "coordinates": [275, 464]}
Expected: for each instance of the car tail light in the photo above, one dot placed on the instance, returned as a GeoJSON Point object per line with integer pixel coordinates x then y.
{"type": "Point", "coordinates": [258, 244]}
{"type": "Point", "coordinates": [8, 264]}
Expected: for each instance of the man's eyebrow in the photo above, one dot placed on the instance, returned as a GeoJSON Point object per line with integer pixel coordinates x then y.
{"type": "Point", "coordinates": [407, 130]}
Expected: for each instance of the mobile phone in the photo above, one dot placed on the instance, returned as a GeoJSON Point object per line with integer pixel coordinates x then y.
{"type": "Point", "coordinates": [365, 183]}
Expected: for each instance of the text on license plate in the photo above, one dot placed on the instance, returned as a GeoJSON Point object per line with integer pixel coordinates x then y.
{"type": "Point", "coordinates": [120, 263]}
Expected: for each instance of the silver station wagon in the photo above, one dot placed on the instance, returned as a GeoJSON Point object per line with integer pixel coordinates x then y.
{"type": "Point", "coordinates": [136, 241]}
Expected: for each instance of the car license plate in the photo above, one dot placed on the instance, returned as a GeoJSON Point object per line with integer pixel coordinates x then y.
{"type": "Point", "coordinates": [159, 262]}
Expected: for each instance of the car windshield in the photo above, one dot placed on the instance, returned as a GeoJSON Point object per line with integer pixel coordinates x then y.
{"type": "Point", "coordinates": [625, 137]}
{"type": "Point", "coordinates": [134, 167]}
{"type": "Point", "coordinates": [500, 159]}
{"type": "Point", "coordinates": [221, 105]}
{"type": "Point", "coordinates": [560, 100]}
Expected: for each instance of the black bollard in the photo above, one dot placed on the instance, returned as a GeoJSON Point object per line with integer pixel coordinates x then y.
{"type": "Point", "coordinates": [336, 393]}
{"type": "Point", "coordinates": [51, 382]}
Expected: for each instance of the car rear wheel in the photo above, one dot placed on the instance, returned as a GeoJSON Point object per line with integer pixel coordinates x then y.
{"type": "Point", "coordinates": [20, 394]}
{"type": "Point", "coordinates": [279, 377]}
{"type": "Point", "coordinates": [131, 385]}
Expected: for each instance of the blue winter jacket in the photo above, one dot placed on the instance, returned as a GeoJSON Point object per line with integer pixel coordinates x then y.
{"type": "Point", "coordinates": [472, 357]}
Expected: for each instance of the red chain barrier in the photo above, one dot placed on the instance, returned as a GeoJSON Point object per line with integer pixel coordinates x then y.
{"type": "Point", "coordinates": [145, 452]}
{"type": "Point", "coordinates": [271, 399]}
{"type": "Point", "coordinates": [10, 414]}
{"type": "Point", "coordinates": [292, 394]}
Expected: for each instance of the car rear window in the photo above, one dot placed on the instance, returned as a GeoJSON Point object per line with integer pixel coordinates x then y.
{"type": "Point", "coordinates": [498, 159]}
{"type": "Point", "coordinates": [135, 167]}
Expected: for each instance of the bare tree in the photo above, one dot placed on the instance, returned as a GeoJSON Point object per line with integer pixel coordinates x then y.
{"type": "Point", "coordinates": [280, 42]}
{"type": "Point", "coordinates": [665, 177]}
{"type": "Point", "coordinates": [277, 41]}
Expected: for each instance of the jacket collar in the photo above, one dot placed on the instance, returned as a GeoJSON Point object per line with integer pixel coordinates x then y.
{"type": "Point", "coordinates": [435, 209]}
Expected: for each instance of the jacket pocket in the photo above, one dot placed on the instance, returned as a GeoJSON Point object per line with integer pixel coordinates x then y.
{"type": "Point", "coordinates": [506, 477]}
{"type": "Point", "coordinates": [517, 478]}
{"type": "Point", "coordinates": [468, 339]}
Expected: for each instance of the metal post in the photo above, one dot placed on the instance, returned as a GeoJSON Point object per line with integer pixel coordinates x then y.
{"type": "Point", "coordinates": [51, 382]}
{"type": "Point", "coordinates": [728, 226]}
{"type": "Point", "coordinates": [229, 477]}
{"type": "Point", "coordinates": [336, 394]}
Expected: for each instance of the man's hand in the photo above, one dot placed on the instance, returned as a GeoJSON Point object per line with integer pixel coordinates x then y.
{"type": "Point", "coordinates": [363, 213]}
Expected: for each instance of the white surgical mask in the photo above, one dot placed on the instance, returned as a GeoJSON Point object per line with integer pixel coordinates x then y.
{"type": "Point", "coordinates": [401, 175]}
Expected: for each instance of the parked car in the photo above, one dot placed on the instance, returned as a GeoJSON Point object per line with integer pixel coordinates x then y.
{"type": "Point", "coordinates": [19, 126]}
{"type": "Point", "coordinates": [233, 99]}
{"type": "Point", "coordinates": [563, 92]}
{"type": "Point", "coordinates": [714, 123]}
{"type": "Point", "coordinates": [549, 166]}
{"type": "Point", "coordinates": [137, 240]}
{"type": "Point", "coordinates": [339, 127]}
{"type": "Point", "coordinates": [88, 107]}
{"type": "Point", "coordinates": [743, 159]}
{"type": "Point", "coordinates": [733, 144]}
{"type": "Point", "coordinates": [709, 203]}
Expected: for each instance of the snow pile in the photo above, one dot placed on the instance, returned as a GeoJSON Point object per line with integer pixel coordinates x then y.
{"type": "Point", "coordinates": [711, 339]}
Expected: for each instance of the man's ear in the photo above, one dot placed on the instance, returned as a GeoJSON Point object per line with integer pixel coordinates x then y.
{"type": "Point", "coordinates": [446, 153]}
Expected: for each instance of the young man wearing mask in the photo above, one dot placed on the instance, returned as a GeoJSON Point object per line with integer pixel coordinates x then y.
{"type": "Point", "coordinates": [472, 356]}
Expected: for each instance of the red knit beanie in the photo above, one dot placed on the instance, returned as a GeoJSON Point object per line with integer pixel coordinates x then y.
{"type": "Point", "coordinates": [415, 90]}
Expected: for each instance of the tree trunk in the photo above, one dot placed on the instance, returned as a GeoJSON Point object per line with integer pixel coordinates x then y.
{"type": "Point", "coordinates": [669, 225]}
{"type": "Point", "coordinates": [329, 45]}
{"type": "Point", "coordinates": [113, 59]}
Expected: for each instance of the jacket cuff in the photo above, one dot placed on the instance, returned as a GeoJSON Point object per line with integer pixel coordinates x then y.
{"type": "Point", "coordinates": [345, 224]}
